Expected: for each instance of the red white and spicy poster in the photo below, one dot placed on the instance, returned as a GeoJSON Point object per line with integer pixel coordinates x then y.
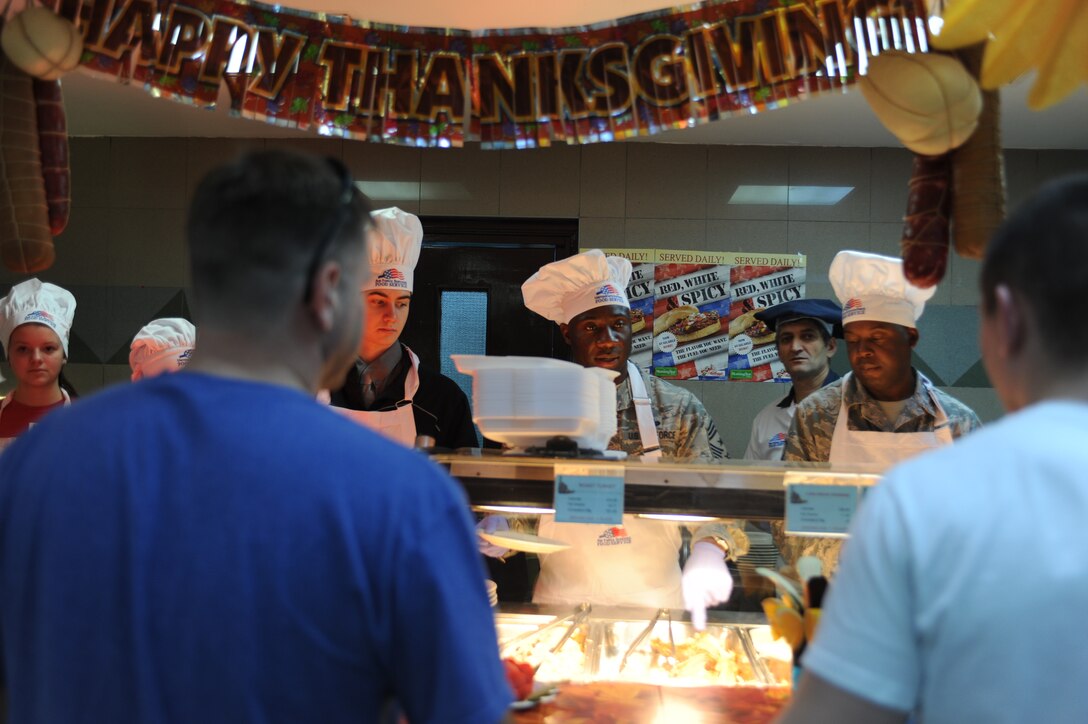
{"type": "Point", "coordinates": [700, 315]}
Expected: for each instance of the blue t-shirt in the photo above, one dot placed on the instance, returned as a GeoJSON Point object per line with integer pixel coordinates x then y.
{"type": "Point", "coordinates": [198, 549]}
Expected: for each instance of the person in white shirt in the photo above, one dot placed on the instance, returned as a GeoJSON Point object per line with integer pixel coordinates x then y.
{"type": "Point", "coordinates": [805, 336]}
{"type": "Point", "coordinates": [963, 587]}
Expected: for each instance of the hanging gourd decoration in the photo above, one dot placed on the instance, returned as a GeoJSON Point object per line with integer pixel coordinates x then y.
{"type": "Point", "coordinates": [41, 43]}
{"type": "Point", "coordinates": [928, 101]}
{"type": "Point", "coordinates": [35, 176]}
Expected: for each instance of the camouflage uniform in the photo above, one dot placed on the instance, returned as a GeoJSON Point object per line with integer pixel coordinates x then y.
{"type": "Point", "coordinates": [810, 434]}
{"type": "Point", "coordinates": [685, 429]}
{"type": "Point", "coordinates": [814, 425]}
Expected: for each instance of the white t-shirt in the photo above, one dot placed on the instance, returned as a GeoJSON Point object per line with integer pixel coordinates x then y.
{"type": "Point", "coordinates": [768, 439]}
{"type": "Point", "coordinates": [963, 592]}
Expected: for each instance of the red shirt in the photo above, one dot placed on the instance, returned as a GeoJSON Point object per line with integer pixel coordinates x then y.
{"type": "Point", "coordinates": [17, 417]}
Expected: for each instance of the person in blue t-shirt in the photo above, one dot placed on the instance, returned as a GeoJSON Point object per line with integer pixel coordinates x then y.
{"type": "Point", "coordinates": [215, 545]}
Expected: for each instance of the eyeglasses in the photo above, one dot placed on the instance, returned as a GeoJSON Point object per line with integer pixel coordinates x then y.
{"type": "Point", "coordinates": [347, 196]}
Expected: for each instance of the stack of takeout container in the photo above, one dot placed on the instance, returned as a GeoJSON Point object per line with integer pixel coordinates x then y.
{"type": "Point", "coordinates": [526, 401]}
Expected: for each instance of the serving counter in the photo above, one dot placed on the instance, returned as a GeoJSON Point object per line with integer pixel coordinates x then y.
{"type": "Point", "coordinates": [733, 672]}
{"type": "Point", "coordinates": [736, 489]}
{"type": "Point", "coordinates": [624, 664]}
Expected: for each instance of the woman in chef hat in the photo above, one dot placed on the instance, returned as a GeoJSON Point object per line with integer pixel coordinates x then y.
{"type": "Point", "coordinates": [387, 390]}
{"type": "Point", "coordinates": [162, 345]}
{"type": "Point", "coordinates": [35, 321]}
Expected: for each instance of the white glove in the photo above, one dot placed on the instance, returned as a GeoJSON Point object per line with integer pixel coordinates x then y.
{"type": "Point", "coordinates": [491, 524]}
{"type": "Point", "coordinates": [706, 581]}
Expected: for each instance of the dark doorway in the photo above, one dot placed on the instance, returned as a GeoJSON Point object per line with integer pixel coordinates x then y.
{"type": "Point", "coordinates": [488, 259]}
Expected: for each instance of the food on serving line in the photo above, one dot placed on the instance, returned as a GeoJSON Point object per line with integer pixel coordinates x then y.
{"type": "Point", "coordinates": [688, 323]}
{"type": "Point", "coordinates": [756, 329]}
{"type": "Point", "coordinates": [520, 677]}
{"type": "Point", "coordinates": [638, 320]}
{"type": "Point", "coordinates": [704, 658]}
{"type": "Point", "coordinates": [565, 664]}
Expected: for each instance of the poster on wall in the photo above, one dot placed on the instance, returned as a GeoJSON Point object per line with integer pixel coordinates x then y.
{"type": "Point", "coordinates": [640, 292]}
{"type": "Point", "coordinates": [692, 296]}
{"type": "Point", "coordinates": [759, 281]}
{"type": "Point", "coordinates": [693, 312]}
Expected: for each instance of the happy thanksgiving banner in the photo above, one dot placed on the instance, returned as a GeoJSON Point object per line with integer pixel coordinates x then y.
{"type": "Point", "coordinates": [520, 88]}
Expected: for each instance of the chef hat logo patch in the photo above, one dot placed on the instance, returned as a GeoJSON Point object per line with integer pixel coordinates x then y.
{"type": "Point", "coordinates": [183, 358]}
{"type": "Point", "coordinates": [40, 316]}
{"type": "Point", "coordinates": [852, 308]}
{"type": "Point", "coordinates": [391, 277]}
{"type": "Point", "coordinates": [608, 293]}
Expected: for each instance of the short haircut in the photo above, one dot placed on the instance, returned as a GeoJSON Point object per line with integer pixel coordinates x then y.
{"type": "Point", "coordinates": [1041, 254]}
{"type": "Point", "coordinates": [255, 227]}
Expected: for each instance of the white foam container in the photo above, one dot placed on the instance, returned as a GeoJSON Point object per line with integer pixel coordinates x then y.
{"type": "Point", "coordinates": [524, 401]}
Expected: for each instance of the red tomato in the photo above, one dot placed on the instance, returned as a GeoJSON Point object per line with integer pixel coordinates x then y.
{"type": "Point", "coordinates": [520, 677]}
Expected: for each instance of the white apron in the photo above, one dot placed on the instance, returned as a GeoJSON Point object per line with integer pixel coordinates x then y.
{"type": "Point", "coordinates": [885, 448]}
{"type": "Point", "coordinates": [635, 564]}
{"type": "Point", "coordinates": [6, 441]}
{"type": "Point", "coordinates": [399, 424]}
{"type": "Point", "coordinates": [644, 413]}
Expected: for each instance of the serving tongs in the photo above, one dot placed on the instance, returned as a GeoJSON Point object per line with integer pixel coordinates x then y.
{"type": "Point", "coordinates": [645, 632]}
{"type": "Point", "coordinates": [541, 630]}
{"type": "Point", "coordinates": [576, 620]}
{"type": "Point", "coordinates": [672, 641]}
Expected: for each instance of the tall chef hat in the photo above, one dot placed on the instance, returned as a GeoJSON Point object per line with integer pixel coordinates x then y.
{"type": "Point", "coordinates": [162, 345]}
{"type": "Point", "coordinates": [872, 288]}
{"type": "Point", "coordinates": [37, 302]}
{"type": "Point", "coordinates": [562, 290]}
{"type": "Point", "coordinates": [394, 250]}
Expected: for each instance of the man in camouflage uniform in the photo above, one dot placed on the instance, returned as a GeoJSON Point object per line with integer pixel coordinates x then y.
{"type": "Point", "coordinates": [635, 563]}
{"type": "Point", "coordinates": [892, 411]}
{"type": "Point", "coordinates": [685, 429]}
{"type": "Point", "coordinates": [810, 434]}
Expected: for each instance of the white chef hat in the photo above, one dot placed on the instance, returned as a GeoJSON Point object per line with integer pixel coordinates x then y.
{"type": "Point", "coordinates": [562, 290]}
{"type": "Point", "coordinates": [37, 302]}
{"type": "Point", "coordinates": [162, 345]}
{"type": "Point", "coordinates": [394, 250]}
{"type": "Point", "coordinates": [872, 288]}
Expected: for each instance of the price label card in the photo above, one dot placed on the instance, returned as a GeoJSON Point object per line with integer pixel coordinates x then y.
{"type": "Point", "coordinates": [588, 493]}
{"type": "Point", "coordinates": [820, 510]}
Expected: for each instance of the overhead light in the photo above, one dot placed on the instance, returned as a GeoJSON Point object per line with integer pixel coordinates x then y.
{"type": "Point", "coordinates": [513, 509]}
{"type": "Point", "coordinates": [390, 190]}
{"type": "Point", "coordinates": [677, 517]}
{"type": "Point", "coordinates": [791, 195]}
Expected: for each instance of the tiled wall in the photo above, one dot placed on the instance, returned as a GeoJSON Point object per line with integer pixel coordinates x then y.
{"type": "Point", "coordinates": [123, 253]}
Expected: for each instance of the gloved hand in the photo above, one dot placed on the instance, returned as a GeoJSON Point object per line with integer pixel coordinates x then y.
{"type": "Point", "coordinates": [705, 582]}
{"type": "Point", "coordinates": [491, 524]}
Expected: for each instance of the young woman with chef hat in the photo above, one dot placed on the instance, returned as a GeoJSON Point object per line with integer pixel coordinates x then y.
{"type": "Point", "coordinates": [387, 390]}
{"type": "Point", "coordinates": [161, 345]}
{"type": "Point", "coordinates": [35, 321]}
{"type": "Point", "coordinates": [635, 563]}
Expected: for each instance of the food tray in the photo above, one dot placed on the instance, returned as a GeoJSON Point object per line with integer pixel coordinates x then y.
{"type": "Point", "coordinates": [723, 655]}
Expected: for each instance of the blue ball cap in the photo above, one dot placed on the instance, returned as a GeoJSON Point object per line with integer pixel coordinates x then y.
{"type": "Point", "coordinates": [824, 311]}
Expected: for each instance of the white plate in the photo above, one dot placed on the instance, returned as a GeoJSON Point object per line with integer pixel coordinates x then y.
{"type": "Point", "coordinates": [515, 540]}
{"type": "Point", "coordinates": [538, 687]}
